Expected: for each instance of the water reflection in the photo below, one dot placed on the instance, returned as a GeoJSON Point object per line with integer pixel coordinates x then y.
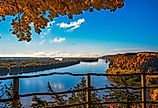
{"type": "Point", "coordinates": [63, 82]}
{"type": "Point", "coordinates": [57, 86]}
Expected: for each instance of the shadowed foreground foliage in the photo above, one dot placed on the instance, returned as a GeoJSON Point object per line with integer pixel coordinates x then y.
{"type": "Point", "coordinates": [110, 95]}
{"type": "Point", "coordinates": [74, 98]}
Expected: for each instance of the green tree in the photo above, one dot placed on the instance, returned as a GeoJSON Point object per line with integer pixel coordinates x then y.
{"type": "Point", "coordinates": [38, 102]}
{"type": "Point", "coordinates": [124, 94]}
{"type": "Point", "coordinates": [6, 91]}
{"type": "Point", "coordinates": [80, 97]}
{"type": "Point", "coordinates": [75, 98]}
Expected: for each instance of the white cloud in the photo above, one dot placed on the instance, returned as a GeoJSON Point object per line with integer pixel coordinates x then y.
{"type": "Point", "coordinates": [50, 24]}
{"type": "Point", "coordinates": [57, 40]}
{"type": "Point", "coordinates": [72, 25]}
{"type": "Point", "coordinates": [45, 33]}
{"type": "Point", "coordinates": [47, 30]}
{"type": "Point", "coordinates": [52, 54]}
{"type": "Point", "coordinates": [57, 85]}
{"type": "Point", "coordinates": [1, 35]}
{"type": "Point", "coordinates": [127, 49]}
{"type": "Point", "coordinates": [42, 35]}
{"type": "Point", "coordinates": [42, 42]}
{"type": "Point", "coordinates": [72, 29]}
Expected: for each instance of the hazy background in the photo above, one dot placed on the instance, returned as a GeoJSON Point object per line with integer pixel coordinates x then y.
{"type": "Point", "coordinates": [131, 28]}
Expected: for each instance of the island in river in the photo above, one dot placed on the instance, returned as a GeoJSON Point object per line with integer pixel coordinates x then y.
{"type": "Point", "coordinates": [18, 65]}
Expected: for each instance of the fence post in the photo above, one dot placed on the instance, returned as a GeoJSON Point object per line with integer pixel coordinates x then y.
{"type": "Point", "coordinates": [15, 92]}
{"type": "Point", "coordinates": [143, 85]}
{"type": "Point", "coordinates": [88, 93]}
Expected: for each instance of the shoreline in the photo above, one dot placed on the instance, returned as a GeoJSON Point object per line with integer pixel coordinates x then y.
{"type": "Point", "coordinates": [45, 66]}
{"type": "Point", "coordinates": [29, 69]}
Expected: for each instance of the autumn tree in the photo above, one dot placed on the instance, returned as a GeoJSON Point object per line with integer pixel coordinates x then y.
{"type": "Point", "coordinates": [40, 12]}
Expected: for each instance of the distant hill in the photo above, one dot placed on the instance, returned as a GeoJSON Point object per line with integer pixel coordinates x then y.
{"type": "Point", "coordinates": [110, 57]}
{"type": "Point", "coordinates": [133, 62]}
{"type": "Point", "coordinates": [136, 63]}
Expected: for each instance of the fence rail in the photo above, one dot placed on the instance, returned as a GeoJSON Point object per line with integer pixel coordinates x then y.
{"type": "Point", "coordinates": [72, 74]}
{"type": "Point", "coordinates": [88, 89]}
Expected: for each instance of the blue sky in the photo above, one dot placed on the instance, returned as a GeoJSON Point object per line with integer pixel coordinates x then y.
{"type": "Point", "coordinates": [130, 29]}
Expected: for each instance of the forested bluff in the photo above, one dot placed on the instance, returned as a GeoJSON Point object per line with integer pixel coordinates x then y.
{"type": "Point", "coordinates": [141, 62]}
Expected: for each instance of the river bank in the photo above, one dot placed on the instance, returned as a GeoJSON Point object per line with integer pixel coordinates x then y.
{"type": "Point", "coordinates": [130, 63]}
{"type": "Point", "coordinates": [14, 71]}
{"type": "Point", "coordinates": [13, 66]}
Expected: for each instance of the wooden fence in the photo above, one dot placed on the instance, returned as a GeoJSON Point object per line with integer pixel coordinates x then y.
{"type": "Point", "coordinates": [88, 89]}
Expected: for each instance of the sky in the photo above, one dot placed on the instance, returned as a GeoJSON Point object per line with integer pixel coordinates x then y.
{"type": "Point", "coordinates": [132, 28]}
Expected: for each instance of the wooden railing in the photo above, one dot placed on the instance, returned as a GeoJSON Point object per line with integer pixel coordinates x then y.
{"type": "Point", "coordinates": [88, 89]}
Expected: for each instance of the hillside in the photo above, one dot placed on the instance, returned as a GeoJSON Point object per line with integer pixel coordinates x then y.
{"type": "Point", "coordinates": [136, 63]}
{"type": "Point", "coordinates": [133, 62]}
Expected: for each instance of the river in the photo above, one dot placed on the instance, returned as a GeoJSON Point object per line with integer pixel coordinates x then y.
{"type": "Point", "coordinates": [63, 82]}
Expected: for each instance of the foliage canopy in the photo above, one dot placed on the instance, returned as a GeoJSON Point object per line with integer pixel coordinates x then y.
{"type": "Point", "coordinates": [40, 12]}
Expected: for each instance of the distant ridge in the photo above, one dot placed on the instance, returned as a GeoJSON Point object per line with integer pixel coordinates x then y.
{"type": "Point", "coordinates": [133, 62]}
{"type": "Point", "coordinates": [110, 57]}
